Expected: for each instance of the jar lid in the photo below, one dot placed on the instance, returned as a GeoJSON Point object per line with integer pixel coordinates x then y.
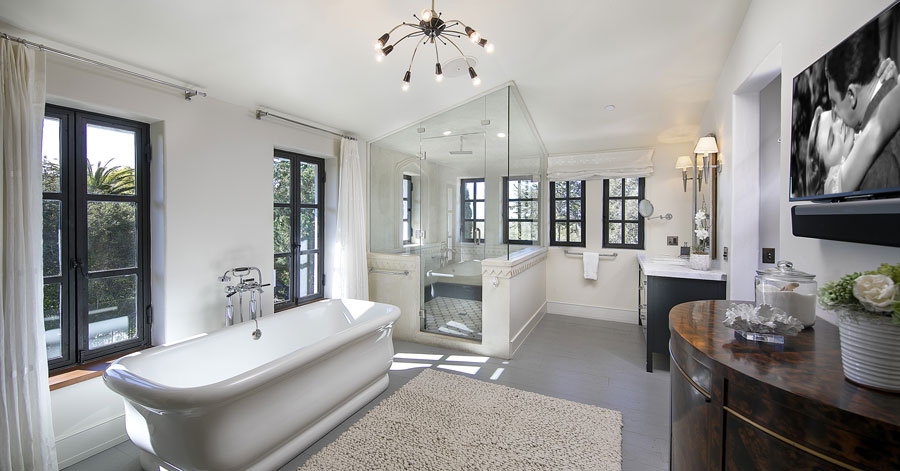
{"type": "Point", "coordinates": [784, 270]}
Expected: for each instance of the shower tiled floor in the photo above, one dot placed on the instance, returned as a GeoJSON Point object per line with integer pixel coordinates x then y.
{"type": "Point", "coordinates": [459, 317]}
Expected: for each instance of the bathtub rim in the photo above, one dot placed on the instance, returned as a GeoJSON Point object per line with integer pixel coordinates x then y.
{"type": "Point", "coordinates": [150, 394]}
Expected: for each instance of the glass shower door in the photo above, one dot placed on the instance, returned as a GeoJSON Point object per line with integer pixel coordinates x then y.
{"type": "Point", "coordinates": [455, 200]}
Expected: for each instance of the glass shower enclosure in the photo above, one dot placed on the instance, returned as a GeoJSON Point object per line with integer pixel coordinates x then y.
{"type": "Point", "coordinates": [455, 189]}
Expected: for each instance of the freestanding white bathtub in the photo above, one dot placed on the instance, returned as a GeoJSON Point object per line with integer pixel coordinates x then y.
{"type": "Point", "coordinates": [223, 401]}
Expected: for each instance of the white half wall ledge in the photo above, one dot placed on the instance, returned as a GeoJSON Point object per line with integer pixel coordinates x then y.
{"type": "Point", "coordinates": [626, 316]}
{"type": "Point", "coordinates": [517, 263]}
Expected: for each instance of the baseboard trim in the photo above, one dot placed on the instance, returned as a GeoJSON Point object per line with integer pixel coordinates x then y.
{"type": "Point", "coordinates": [627, 316]}
{"type": "Point", "coordinates": [71, 449]}
{"type": "Point", "coordinates": [526, 330]}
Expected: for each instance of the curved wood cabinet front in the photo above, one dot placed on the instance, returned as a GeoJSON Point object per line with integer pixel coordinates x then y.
{"type": "Point", "coordinates": [741, 405]}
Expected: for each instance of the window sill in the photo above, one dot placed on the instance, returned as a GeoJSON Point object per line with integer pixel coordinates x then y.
{"type": "Point", "coordinates": [77, 374]}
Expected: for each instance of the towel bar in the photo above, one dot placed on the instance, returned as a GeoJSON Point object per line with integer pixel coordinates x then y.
{"type": "Point", "coordinates": [579, 254]}
{"type": "Point", "coordinates": [388, 272]}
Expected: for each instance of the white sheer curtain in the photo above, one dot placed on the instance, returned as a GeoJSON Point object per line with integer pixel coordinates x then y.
{"type": "Point", "coordinates": [352, 262]}
{"type": "Point", "coordinates": [26, 430]}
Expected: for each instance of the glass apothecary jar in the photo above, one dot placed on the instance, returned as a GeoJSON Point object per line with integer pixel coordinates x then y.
{"type": "Point", "coordinates": [790, 290]}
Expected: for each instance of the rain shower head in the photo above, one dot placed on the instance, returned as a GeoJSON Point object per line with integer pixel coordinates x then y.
{"type": "Point", "coordinates": [460, 151]}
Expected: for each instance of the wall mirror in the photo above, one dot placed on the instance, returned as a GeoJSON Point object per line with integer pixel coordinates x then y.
{"type": "Point", "coordinates": [705, 187]}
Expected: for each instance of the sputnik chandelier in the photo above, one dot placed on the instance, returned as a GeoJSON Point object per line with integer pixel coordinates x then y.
{"type": "Point", "coordinates": [432, 29]}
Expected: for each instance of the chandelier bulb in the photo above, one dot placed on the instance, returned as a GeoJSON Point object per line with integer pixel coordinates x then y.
{"type": "Point", "coordinates": [427, 15]}
{"type": "Point", "coordinates": [381, 41]}
{"type": "Point", "coordinates": [473, 35]}
{"type": "Point", "coordinates": [379, 56]}
{"type": "Point", "coordinates": [406, 78]}
{"type": "Point", "coordinates": [489, 47]}
{"type": "Point", "coordinates": [476, 81]}
{"type": "Point", "coordinates": [438, 72]}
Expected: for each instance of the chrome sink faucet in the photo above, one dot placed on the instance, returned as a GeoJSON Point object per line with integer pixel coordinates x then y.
{"type": "Point", "coordinates": [245, 285]}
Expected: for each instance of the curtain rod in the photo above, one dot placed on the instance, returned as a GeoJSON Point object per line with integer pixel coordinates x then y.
{"type": "Point", "coordinates": [260, 114]}
{"type": "Point", "coordinates": [188, 92]}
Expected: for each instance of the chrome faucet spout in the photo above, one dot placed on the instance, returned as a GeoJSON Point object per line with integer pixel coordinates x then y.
{"type": "Point", "coordinates": [246, 284]}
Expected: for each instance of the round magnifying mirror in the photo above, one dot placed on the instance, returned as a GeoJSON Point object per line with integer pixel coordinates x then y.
{"type": "Point", "coordinates": [645, 207]}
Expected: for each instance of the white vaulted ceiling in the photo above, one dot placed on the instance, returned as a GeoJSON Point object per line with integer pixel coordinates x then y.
{"type": "Point", "coordinates": [657, 61]}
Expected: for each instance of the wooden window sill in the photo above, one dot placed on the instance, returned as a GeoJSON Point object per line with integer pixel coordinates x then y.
{"type": "Point", "coordinates": [76, 374]}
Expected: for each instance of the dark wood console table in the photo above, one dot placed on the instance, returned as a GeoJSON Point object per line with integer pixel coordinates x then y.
{"type": "Point", "coordinates": [741, 405]}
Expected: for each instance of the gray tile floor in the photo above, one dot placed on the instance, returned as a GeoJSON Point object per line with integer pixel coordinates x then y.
{"type": "Point", "coordinates": [582, 360]}
{"type": "Point", "coordinates": [459, 317]}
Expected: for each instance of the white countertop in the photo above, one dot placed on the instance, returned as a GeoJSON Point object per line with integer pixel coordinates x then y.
{"type": "Point", "coordinates": [675, 267]}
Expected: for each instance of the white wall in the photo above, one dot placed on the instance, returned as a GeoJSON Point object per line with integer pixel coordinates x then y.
{"type": "Point", "coordinates": [614, 295]}
{"type": "Point", "coordinates": [769, 158]}
{"type": "Point", "coordinates": [211, 192]}
{"type": "Point", "coordinates": [804, 30]}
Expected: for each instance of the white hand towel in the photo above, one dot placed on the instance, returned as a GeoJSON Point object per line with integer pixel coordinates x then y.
{"type": "Point", "coordinates": [591, 261]}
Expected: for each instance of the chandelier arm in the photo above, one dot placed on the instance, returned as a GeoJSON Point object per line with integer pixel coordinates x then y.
{"type": "Point", "coordinates": [411, 59]}
{"type": "Point", "coordinates": [460, 52]}
{"type": "Point", "coordinates": [437, 56]}
{"type": "Point", "coordinates": [402, 24]}
{"type": "Point", "coordinates": [458, 22]}
{"type": "Point", "coordinates": [414, 33]}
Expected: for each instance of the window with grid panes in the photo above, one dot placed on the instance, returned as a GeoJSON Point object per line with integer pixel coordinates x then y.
{"type": "Point", "coordinates": [567, 210]}
{"type": "Point", "coordinates": [622, 222]}
{"type": "Point", "coordinates": [521, 200]}
{"type": "Point", "coordinates": [472, 199]}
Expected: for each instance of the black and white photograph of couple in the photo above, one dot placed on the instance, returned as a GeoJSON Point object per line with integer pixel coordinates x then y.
{"type": "Point", "coordinates": [845, 130]}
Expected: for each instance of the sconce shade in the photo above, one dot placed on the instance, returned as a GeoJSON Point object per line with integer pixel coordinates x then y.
{"type": "Point", "coordinates": [707, 145]}
{"type": "Point", "coordinates": [683, 162]}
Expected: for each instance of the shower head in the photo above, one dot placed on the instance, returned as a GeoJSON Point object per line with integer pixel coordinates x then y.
{"type": "Point", "coordinates": [460, 151]}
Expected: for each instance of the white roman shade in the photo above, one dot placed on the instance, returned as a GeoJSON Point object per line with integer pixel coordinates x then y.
{"type": "Point", "coordinates": [601, 165]}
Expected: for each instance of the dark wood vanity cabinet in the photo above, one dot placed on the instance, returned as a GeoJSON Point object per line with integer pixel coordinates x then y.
{"type": "Point", "coordinates": [741, 405]}
{"type": "Point", "coordinates": [659, 294]}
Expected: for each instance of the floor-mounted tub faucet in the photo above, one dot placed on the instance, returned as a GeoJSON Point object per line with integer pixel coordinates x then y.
{"type": "Point", "coordinates": [477, 236]}
{"type": "Point", "coordinates": [244, 285]}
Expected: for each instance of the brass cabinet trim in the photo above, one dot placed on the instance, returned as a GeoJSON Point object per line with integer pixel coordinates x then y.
{"type": "Point", "coordinates": [790, 442]}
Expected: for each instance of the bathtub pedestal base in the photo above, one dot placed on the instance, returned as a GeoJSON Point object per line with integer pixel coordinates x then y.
{"type": "Point", "coordinates": [278, 458]}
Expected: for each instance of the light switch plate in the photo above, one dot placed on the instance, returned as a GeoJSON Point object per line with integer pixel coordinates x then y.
{"type": "Point", "coordinates": [725, 253]}
{"type": "Point", "coordinates": [768, 255]}
{"type": "Point", "coordinates": [671, 240]}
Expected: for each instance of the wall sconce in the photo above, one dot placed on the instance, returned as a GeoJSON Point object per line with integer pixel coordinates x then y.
{"type": "Point", "coordinates": [707, 145]}
{"type": "Point", "coordinates": [684, 163]}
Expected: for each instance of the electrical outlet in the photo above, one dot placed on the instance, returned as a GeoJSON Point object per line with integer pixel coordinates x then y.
{"type": "Point", "coordinates": [768, 255]}
{"type": "Point", "coordinates": [671, 240]}
{"type": "Point", "coordinates": [725, 253]}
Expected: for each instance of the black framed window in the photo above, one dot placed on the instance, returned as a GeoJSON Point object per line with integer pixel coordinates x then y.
{"type": "Point", "coordinates": [521, 200]}
{"type": "Point", "coordinates": [299, 228]}
{"type": "Point", "coordinates": [406, 210]}
{"type": "Point", "coordinates": [622, 222]}
{"type": "Point", "coordinates": [472, 199]}
{"type": "Point", "coordinates": [567, 211]}
{"type": "Point", "coordinates": [96, 235]}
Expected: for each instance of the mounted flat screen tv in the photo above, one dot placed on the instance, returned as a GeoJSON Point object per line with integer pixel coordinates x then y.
{"type": "Point", "coordinates": [845, 122]}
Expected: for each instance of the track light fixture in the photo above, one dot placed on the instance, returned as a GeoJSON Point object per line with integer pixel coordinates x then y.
{"type": "Point", "coordinates": [432, 29]}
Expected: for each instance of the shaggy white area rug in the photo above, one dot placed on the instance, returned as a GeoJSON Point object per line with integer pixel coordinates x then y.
{"type": "Point", "coordinates": [444, 421]}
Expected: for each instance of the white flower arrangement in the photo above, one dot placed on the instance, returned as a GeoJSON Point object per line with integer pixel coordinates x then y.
{"type": "Point", "coordinates": [876, 292]}
{"type": "Point", "coordinates": [701, 230]}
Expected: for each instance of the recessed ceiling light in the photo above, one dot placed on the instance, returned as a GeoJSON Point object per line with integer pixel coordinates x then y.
{"type": "Point", "coordinates": [609, 107]}
{"type": "Point", "coordinates": [501, 135]}
{"type": "Point", "coordinates": [447, 133]}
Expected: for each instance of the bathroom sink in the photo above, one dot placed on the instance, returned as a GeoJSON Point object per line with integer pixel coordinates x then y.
{"type": "Point", "coordinates": [667, 260]}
